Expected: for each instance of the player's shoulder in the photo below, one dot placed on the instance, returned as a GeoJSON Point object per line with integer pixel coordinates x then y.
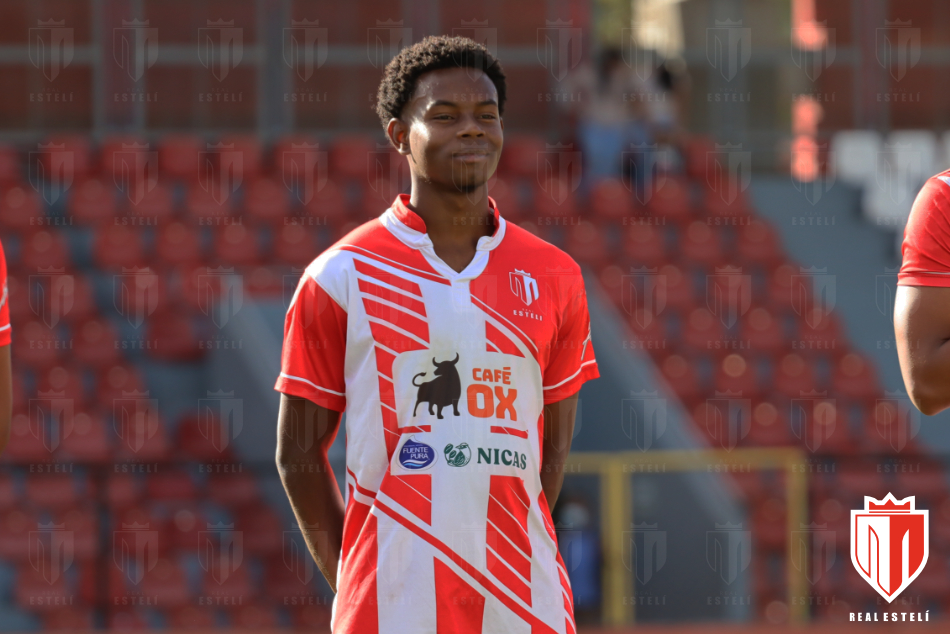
{"type": "Point", "coordinates": [371, 236]}
{"type": "Point", "coordinates": [527, 246]}
{"type": "Point", "coordinates": [933, 199]}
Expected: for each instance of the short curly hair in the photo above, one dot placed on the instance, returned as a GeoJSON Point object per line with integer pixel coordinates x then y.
{"type": "Point", "coordinates": [432, 53]}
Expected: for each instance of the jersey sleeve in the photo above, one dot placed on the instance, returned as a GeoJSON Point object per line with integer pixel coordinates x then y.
{"type": "Point", "coordinates": [5, 334]}
{"type": "Point", "coordinates": [571, 360]}
{"type": "Point", "coordinates": [314, 349]}
{"type": "Point", "coordinates": [925, 250]}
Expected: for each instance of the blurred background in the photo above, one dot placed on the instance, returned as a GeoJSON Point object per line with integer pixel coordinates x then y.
{"type": "Point", "coordinates": [732, 175]}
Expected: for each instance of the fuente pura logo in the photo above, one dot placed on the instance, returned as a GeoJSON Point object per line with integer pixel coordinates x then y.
{"type": "Point", "coordinates": [457, 456]}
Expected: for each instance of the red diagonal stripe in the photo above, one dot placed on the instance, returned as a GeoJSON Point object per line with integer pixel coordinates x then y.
{"type": "Point", "coordinates": [414, 492]}
{"type": "Point", "coordinates": [385, 276]}
{"type": "Point", "coordinates": [459, 608]}
{"type": "Point", "coordinates": [390, 295]}
{"type": "Point", "coordinates": [500, 341]}
{"type": "Point", "coordinates": [395, 341]}
{"type": "Point", "coordinates": [399, 318]}
{"type": "Point", "coordinates": [507, 577]}
{"type": "Point", "coordinates": [506, 550]}
{"type": "Point", "coordinates": [498, 516]}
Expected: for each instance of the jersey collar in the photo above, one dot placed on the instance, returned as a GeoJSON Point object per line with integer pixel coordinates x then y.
{"type": "Point", "coordinates": [410, 228]}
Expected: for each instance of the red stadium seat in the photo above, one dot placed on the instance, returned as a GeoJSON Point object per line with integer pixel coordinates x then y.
{"type": "Point", "coordinates": [20, 208]}
{"type": "Point", "coordinates": [178, 244]}
{"type": "Point", "coordinates": [44, 249]}
{"type": "Point", "coordinates": [265, 282]}
{"type": "Point", "coordinates": [649, 329]}
{"type": "Point", "coordinates": [142, 434]}
{"type": "Point", "coordinates": [68, 618]}
{"type": "Point", "coordinates": [295, 244]}
{"type": "Point", "coordinates": [763, 330]}
{"type": "Point", "coordinates": [123, 490]}
{"type": "Point", "coordinates": [118, 382]}
{"type": "Point", "coordinates": [645, 244]}
{"type": "Point", "coordinates": [820, 333]}
{"type": "Point", "coordinates": [220, 579]}
{"type": "Point", "coordinates": [610, 200]}
{"type": "Point", "coordinates": [293, 153]}
{"type": "Point", "coordinates": [51, 490]}
{"type": "Point", "coordinates": [283, 579]}
{"type": "Point", "coordinates": [175, 333]}
{"type": "Point", "coordinates": [236, 245]}
{"type": "Point", "coordinates": [24, 446]}
{"type": "Point", "coordinates": [9, 496]}
{"type": "Point", "coordinates": [780, 288]}
{"type": "Point", "coordinates": [202, 437]}
{"type": "Point", "coordinates": [702, 331]}
{"type": "Point", "coordinates": [167, 584]}
{"type": "Point", "coordinates": [697, 150]}
{"type": "Point", "coordinates": [170, 486]}
{"type": "Point", "coordinates": [178, 156]}
{"type": "Point", "coordinates": [83, 523]}
{"type": "Point", "coordinates": [328, 206]}
{"type": "Point", "coordinates": [671, 202]}
{"type": "Point", "coordinates": [854, 377]}
{"type": "Point", "coordinates": [769, 524]}
{"type": "Point", "coordinates": [857, 479]}
{"type": "Point", "coordinates": [202, 205]}
{"type": "Point", "coordinates": [759, 243]}
{"type": "Point", "coordinates": [128, 619]}
{"type": "Point", "coordinates": [119, 246]}
{"type": "Point", "coordinates": [520, 158]}
{"type": "Point", "coordinates": [233, 490]}
{"type": "Point", "coordinates": [586, 242]}
{"type": "Point", "coordinates": [702, 243]}
{"type": "Point", "coordinates": [683, 378]}
{"type": "Point", "coordinates": [79, 150]}
{"type": "Point", "coordinates": [555, 199]}
{"type": "Point", "coordinates": [349, 156]}
{"type": "Point", "coordinates": [18, 294]}
{"type": "Point", "coordinates": [254, 616]}
{"type": "Point", "coordinates": [36, 345]}
{"type": "Point", "coordinates": [822, 427]}
{"type": "Point", "coordinates": [66, 381]}
{"type": "Point", "coordinates": [793, 376]}
{"type": "Point", "coordinates": [890, 425]}
{"type": "Point", "coordinates": [719, 207]}
{"type": "Point", "coordinates": [90, 441]}
{"type": "Point", "coordinates": [10, 165]}
{"type": "Point", "coordinates": [311, 617]}
{"type": "Point", "coordinates": [92, 201]}
{"type": "Point", "coordinates": [96, 343]}
{"type": "Point", "coordinates": [929, 483]}
{"type": "Point", "coordinates": [42, 589]}
{"type": "Point", "coordinates": [192, 617]}
{"type": "Point", "coordinates": [155, 205]}
{"type": "Point", "coordinates": [248, 146]}
{"type": "Point", "coordinates": [506, 199]}
{"type": "Point", "coordinates": [15, 527]}
{"type": "Point", "coordinates": [769, 426]}
{"type": "Point", "coordinates": [263, 530]}
{"type": "Point", "coordinates": [114, 152]}
{"type": "Point", "coordinates": [184, 526]}
{"type": "Point", "coordinates": [737, 373]}
{"type": "Point", "coordinates": [266, 200]}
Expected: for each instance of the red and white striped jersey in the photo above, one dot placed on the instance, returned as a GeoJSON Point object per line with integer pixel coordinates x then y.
{"type": "Point", "coordinates": [4, 301]}
{"type": "Point", "coordinates": [443, 376]}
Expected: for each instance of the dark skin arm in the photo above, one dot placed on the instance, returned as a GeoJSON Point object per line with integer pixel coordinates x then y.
{"type": "Point", "coordinates": [558, 433]}
{"type": "Point", "coordinates": [308, 479]}
{"type": "Point", "coordinates": [6, 396]}
{"type": "Point", "coordinates": [922, 328]}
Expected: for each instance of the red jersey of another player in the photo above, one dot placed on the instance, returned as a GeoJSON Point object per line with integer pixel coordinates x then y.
{"type": "Point", "coordinates": [926, 246]}
{"type": "Point", "coordinates": [443, 376]}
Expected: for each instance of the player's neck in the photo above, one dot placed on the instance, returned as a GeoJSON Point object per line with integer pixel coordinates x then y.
{"type": "Point", "coordinates": [453, 217]}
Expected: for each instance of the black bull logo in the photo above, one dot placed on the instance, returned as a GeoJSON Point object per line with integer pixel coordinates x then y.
{"type": "Point", "coordinates": [444, 390]}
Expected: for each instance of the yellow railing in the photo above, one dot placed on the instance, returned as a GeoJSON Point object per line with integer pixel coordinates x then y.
{"type": "Point", "coordinates": [615, 470]}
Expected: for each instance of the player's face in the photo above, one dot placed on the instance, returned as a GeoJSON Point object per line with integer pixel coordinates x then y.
{"type": "Point", "coordinates": [454, 130]}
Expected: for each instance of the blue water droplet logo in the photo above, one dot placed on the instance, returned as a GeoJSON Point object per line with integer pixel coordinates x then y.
{"type": "Point", "coordinates": [416, 455]}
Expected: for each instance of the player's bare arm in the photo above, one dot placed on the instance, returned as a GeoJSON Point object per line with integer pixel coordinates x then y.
{"type": "Point", "coordinates": [558, 433]}
{"type": "Point", "coordinates": [922, 327]}
{"type": "Point", "coordinates": [308, 479]}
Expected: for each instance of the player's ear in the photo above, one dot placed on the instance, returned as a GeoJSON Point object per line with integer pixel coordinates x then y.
{"type": "Point", "coordinates": [398, 133]}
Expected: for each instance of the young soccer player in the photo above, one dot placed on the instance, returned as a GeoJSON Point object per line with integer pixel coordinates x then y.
{"type": "Point", "coordinates": [456, 342]}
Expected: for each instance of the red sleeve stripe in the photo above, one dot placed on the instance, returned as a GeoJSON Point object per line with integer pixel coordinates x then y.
{"type": "Point", "coordinates": [520, 433]}
{"type": "Point", "coordinates": [297, 378]}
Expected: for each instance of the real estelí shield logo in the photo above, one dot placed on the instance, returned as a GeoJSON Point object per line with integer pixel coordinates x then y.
{"type": "Point", "coordinates": [890, 543]}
